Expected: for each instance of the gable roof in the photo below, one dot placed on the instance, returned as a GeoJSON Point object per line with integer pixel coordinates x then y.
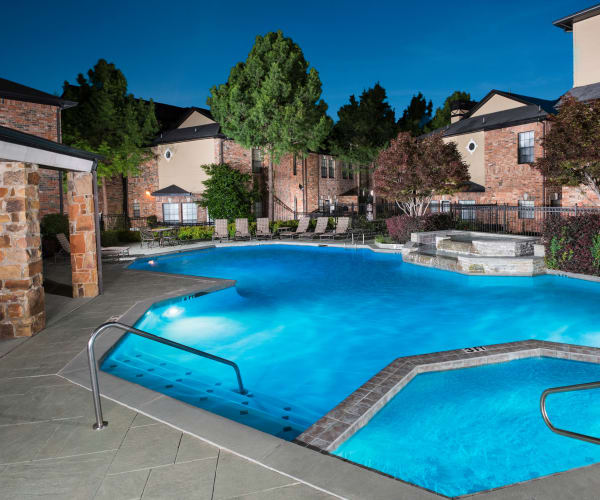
{"type": "Point", "coordinates": [16, 91]}
{"type": "Point", "coordinates": [171, 190]}
{"type": "Point", "coordinates": [545, 104]}
{"type": "Point", "coordinates": [585, 92]}
{"type": "Point", "coordinates": [189, 134]}
{"type": "Point", "coordinates": [566, 23]}
{"type": "Point", "coordinates": [190, 111]}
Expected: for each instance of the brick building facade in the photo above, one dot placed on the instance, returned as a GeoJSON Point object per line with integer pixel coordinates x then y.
{"type": "Point", "coordinates": [38, 113]}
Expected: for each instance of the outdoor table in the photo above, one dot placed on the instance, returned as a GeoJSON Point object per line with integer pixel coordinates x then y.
{"type": "Point", "coordinates": [160, 232]}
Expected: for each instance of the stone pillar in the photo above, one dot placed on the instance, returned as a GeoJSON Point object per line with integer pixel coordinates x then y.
{"type": "Point", "coordinates": [22, 312]}
{"type": "Point", "coordinates": [84, 267]}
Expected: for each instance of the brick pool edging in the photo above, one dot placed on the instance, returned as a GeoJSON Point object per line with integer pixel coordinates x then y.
{"type": "Point", "coordinates": [354, 412]}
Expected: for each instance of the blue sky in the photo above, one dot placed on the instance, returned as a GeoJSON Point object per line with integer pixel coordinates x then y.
{"type": "Point", "coordinates": [175, 51]}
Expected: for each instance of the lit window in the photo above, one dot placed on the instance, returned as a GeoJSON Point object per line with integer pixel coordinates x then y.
{"type": "Point", "coordinates": [331, 168]}
{"type": "Point", "coordinates": [467, 213]}
{"type": "Point", "coordinates": [526, 143]}
{"type": "Point", "coordinates": [324, 167]}
{"type": "Point", "coordinates": [257, 161]}
{"type": "Point", "coordinates": [136, 208]}
{"type": "Point", "coordinates": [189, 211]}
{"type": "Point", "coordinates": [526, 209]}
{"type": "Point", "coordinates": [170, 212]}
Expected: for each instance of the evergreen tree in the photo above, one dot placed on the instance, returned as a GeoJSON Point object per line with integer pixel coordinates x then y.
{"type": "Point", "coordinates": [416, 116]}
{"type": "Point", "coordinates": [227, 192]}
{"type": "Point", "coordinates": [442, 114]}
{"type": "Point", "coordinates": [272, 101]}
{"type": "Point", "coordinates": [365, 126]}
{"type": "Point", "coordinates": [109, 121]}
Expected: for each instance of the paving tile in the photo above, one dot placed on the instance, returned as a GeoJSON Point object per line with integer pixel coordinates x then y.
{"type": "Point", "coordinates": [147, 447]}
{"type": "Point", "coordinates": [292, 492]}
{"type": "Point", "coordinates": [125, 486]}
{"type": "Point", "coordinates": [237, 476]}
{"type": "Point", "coordinates": [66, 478]}
{"type": "Point", "coordinates": [21, 442]}
{"type": "Point", "coordinates": [9, 386]}
{"type": "Point", "coordinates": [191, 448]}
{"type": "Point", "coordinates": [141, 419]}
{"type": "Point", "coordinates": [187, 481]}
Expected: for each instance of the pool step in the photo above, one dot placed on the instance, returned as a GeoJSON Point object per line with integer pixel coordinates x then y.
{"type": "Point", "coordinates": [254, 409]}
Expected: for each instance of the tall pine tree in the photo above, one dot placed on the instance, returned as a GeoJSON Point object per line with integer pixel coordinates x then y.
{"type": "Point", "coordinates": [109, 121]}
{"type": "Point", "coordinates": [272, 102]}
{"type": "Point", "coordinates": [365, 126]}
{"type": "Point", "coordinates": [442, 114]}
{"type": "Point", "coordinates": [416, 116]}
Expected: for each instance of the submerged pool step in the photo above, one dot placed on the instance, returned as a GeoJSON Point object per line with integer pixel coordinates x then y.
{"type": "Point", "coordinates": [254, 409]}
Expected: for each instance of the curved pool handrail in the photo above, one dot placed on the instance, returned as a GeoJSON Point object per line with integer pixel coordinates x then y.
{"type": "Point", "coordinates": [567, 388]}
{"type": "Point", "coordinates": [100, 423]}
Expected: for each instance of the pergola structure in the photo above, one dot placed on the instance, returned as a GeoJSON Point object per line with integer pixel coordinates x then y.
{"type": "Point", "coordinates": [22, 305]}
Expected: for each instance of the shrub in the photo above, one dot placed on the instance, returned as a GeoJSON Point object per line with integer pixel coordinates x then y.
{"type": "Point", "coordinates": [126, 236]}
{"type": "Point", "coordinates": [195, 233]}
{"type": "Point", "coordinates": [109, 238]}
{"type": "Point", "coordinates": [401, 226]}
{"type": "Point", "coordinates": [152, 221]}
{"type": "Point", "coordinates": [53, 224]}
{"type": "Point", "coordinates": [573, 243]}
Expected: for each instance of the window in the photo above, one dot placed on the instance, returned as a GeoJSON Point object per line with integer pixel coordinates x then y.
{"type": "Point", "coordinates": [472, 146]}
{"type": "Point", "coordinates": [324, 167]}
{"type": "Point", "coordinates": [136, 208]}
{"type": "Point", "coordinates": [295, 165]}
{"type": "Point", "coordinates": [467, 213]}
{"type": "Point", "coordinates": [168, 154]}
{"type": "Point", "coordinates": [257, 161]}
{"type": "Point", "coordinates": [526, 210]}
{"type": "Point", "coordinates": [350, 172]}
{"type": "Point", "coordinates": [331, 168]}
{"type": "Point", "coordinates": [295, 205]}
{"type": "Point", "coordinates": [189, 211]}
{"type": "Point", "coordinates": [344, 171]}
{"type": "Point", "coordinates": [445, 206]}
{"type": "Point", "coordinates": [258, 208]}
{"type": "Point", "coordinates": [434, 207]}
{"type": "Point", "coordinates": [171, 212]}
{"type": "Point", "coordinates": [526, 147]}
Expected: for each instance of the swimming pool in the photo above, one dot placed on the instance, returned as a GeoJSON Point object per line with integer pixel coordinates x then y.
{"type": "Point", "coordinates": [462, 431]}
{"type": "Point", "coordinates": [309, 325]}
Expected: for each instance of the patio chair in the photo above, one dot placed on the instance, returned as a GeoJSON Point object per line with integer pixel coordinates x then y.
{"type": "Point", "coordinates": [241, 230]}
{"type": "Point", "coordinates": [262, 229]}
{"type": "Point", "coordinates": [320, 228]}
{"type": "Point", "coordinates": [170, 237]}
{"type": "Point", "coordinates": [301, 230]}
{"type": "Point", "coordinates": [341, 229]}
{"type": "Point", "coordinates": [220, 232]}
{"type": "Point", "coordinates": [65, 247]}
{"type": "Point", "coordinates": [147, 236]}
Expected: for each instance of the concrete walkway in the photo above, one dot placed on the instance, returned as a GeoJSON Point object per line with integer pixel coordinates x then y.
{"type": "Point", "coordinates": [49, 450]}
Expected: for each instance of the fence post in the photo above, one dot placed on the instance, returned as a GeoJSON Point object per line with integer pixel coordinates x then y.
{"type": "Point", "coordinates": [505, 216]}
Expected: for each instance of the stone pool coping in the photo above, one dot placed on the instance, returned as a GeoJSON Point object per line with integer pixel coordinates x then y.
{"type": "Point", "coordinates": [305, 463]}
{"type": "Point", "coordinates": [362, 405]}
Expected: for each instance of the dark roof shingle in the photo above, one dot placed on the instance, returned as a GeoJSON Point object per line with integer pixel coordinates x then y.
{"type": "Point", "coordinates": [171, 190]}
{"type": "Point", "coordinates": [18, 92]}
{"type": "Point", "coordinates": [189, 133]}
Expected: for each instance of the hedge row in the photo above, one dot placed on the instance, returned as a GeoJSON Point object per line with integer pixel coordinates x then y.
{"type": "Point", "coordinates": [573, 243]}
{"type": "Point", "coordinates": [401, 226]}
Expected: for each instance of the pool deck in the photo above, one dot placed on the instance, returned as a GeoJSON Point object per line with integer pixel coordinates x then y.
{"type": "Point", "coordinates": [158, 447]}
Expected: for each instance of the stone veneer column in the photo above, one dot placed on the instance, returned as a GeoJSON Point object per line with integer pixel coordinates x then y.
{"type": "Point", "coordinates": [22, 311]}
{"type": "Point", "coordinates": [84, 267]}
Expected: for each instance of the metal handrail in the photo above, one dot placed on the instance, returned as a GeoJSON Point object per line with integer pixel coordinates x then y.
{"type": "Point", "coordinates": [100, 423]}
{"type": "Point", "coordinates": [567, 388]}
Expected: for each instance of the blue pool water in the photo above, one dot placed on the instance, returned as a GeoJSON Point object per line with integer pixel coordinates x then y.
{"type": "Point", "coordinates": [309, 325]}
{"type": "Point", "coordinates": [462, 431]}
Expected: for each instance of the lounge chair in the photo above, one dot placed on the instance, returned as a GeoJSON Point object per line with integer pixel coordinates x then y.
{"type": "Point", "coordinates": [220, 232]}
{"type": "Point", "coordinates": [114, 254]}
{"type": "Point", "coordinates": [149, 237]}
{"type": "Point", "coordinates": [341, 229]}
{"type": "Point", "coordinates": [320, 228]}
{"type": "Point", "coordinates": [262, 229]}
{"type": "Point", "coordinates": [300, 230]}
{"type": "Point", "coordinates": [241, 230]}
{"type": "Point", "coordinates": [65, 247]}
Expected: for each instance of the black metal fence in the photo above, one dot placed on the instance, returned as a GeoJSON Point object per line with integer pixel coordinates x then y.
{"type": "Point", "coordinates": [508, 219]}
